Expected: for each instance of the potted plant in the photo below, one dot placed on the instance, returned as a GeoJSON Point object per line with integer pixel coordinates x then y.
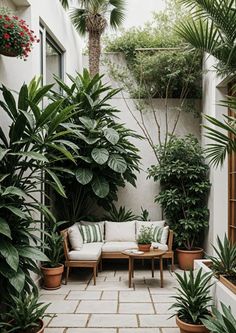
{"type": "Point", "coordinates": [192, 301]}
{"type": "Point", "coordinates": [53, 269]}
{"type": "Point", "coordinates": [224, 265]}
{"type": "Point", "coordinates": [145, 238]}
{"type": "Point", "coordinates": [25, 314]}
{"type": "Point", "coordinates": [183, 177]}
{"type": "Point", "coordinates": [221, 322]}
{"type": "Point", "coordinates": [16, 37]}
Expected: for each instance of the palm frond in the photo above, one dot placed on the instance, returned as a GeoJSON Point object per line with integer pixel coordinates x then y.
{"type": "Point", "coordinates": [65, 3]}
{"type": "Point", "coordinates": [117, 14]}
{"type": "Point", "coordinates": [78, 17]}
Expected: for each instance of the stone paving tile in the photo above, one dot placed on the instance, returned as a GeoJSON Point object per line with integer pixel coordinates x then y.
{"type": "Point", "coordinates": [110, 295]}
{"type": "Point", "coordinates": [135, 296]}
{"type": "Point", "coordinates": [170, 330]}
{"type": "Point", "coordinates": [54, 330]}
{"type": "Point", "coordinates": [113, 278]}
{"type": "Point", "coordinates": [80, 295]}
{"type": "Point", "coordinates": [69, 320]}
{"type": "Point", "coordinates": [48, 297]}
{"type": "Point", "coordinates": [113, 320]}
{"type": "Point", "coordinates": [162, 298]}
{"type": "Point", "coordinates": [156, 321]}
{"type": "Point", "coordinates": [91, 330]}
{"type": "Point", "coordinates": [62, 307]}
{"type": "Point", "coordinates": [139, 330]}
{"type": "Point", "coordinates": [138, 308]}
{"type": "Point", "coordinates": [97, 307]}
{"type": "Point", "coordinates": [163, 308]}
{"type": "Point", "coordinates": [110, 287]}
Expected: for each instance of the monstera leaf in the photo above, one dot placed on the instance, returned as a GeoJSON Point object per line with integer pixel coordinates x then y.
{"type": "Point", "coordinates": [84, 176]}
{"type": "Point", "coordinates": [111, 135]}
{"type": "Point", "coordinates": [100, 187]}
{"type": "Point", "coordinates": [117, 163]}
{"type": "Point", "coordinates": [100, 155]}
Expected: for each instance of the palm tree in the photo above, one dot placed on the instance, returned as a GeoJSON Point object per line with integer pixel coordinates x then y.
{"type": "Point", "coordinates": [92, 17]}
{"type": "Point", "coordinates": [212, 28]}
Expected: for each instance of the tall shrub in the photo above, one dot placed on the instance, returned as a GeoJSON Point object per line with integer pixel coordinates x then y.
{"type": "Point", "coordinates": [183, 176]}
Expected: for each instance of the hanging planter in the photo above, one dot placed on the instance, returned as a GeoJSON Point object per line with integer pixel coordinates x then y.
{"type": "Point", "coordinates": [16, 38]}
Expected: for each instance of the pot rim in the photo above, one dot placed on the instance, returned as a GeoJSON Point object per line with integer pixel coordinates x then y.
{"type": "Point", "coordinates": [44, 267]}
{"type": "Point", "coordinates": [195, 250]}
{"type": "Point", "coordinates": [187, 324]}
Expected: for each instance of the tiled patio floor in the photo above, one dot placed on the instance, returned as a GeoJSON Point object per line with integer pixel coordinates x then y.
{"type": "Point", "coordinates": [110, 306]}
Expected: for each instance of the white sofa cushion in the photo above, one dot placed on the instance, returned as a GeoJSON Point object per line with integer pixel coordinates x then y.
{"type": "Point", "coordinates": [160, 234]}
{"type": "Point", "coordinates": [89, 251]}
{"type": "Point", "coordinates": [118, 246]}
{"type": "Point", "coordinates": [160, 246]}
{"type": "Point", "coordinates": [100, 223]}
{"type": "Point", "coordinates": [120, 231]}
{"type": "Point", "coordinates": [75, 237]}
{"type": "Point", "coordinates": [154, 224]}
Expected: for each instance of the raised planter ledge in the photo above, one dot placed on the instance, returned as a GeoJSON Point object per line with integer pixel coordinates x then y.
{"type": "Point", "coordinates": [219, 292]}
{"type": "Point", "coordinates": [21, 3]}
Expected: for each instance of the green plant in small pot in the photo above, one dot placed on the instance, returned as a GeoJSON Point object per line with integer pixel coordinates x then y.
{"type": "Point", "coordinates": [25, 314]}
{"type": "Point", "coordinates": [183, 176]}
{"type": "Point", "coordinates": [145, 238]}
{"type": "Point", "coordinates": [192, 301]}
{"type": "Point", "coordinates": [53, 269]}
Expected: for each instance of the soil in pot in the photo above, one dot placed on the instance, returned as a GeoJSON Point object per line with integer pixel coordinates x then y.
{"type": "Point", "coordinates": [186, 258]}
{"type": "Point", "coordinates": [144, 247]}
{"type": "Point", "coordinates": [52, 277]}
{"type": "Point", "coordinates": [190, 328]}
{"type": "Point", "coordinates": [39, 329]}
{"type": "Point", "coordinates": [8, 53]}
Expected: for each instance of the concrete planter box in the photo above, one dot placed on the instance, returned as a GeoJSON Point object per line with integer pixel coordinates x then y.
{"type": "Point", "coordinates": [219, 291]}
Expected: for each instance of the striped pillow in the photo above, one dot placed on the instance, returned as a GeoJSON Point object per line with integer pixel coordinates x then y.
{"type": "Point", "coordinates": [160, 234]}
{"type": "Point", "coordinates": [91, 233]}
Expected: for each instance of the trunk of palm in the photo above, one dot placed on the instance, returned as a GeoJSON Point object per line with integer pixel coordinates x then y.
{"type": "Point", "coordinates": [94, 52]}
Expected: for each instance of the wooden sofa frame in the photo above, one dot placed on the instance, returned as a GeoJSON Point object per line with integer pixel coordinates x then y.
{"type": "Point", "coordinates": [94, 264]}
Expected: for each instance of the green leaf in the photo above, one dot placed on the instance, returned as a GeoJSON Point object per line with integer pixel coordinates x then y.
{"type": "Point", "coordinates": [18, 280]}
{"type": "Point", "coordinates": [23, 98]}
{"type": "Point", "coordinates": [117, 163]}
{"type": "Point", "coordinates": [89, 123]}
{"type": "Point", "coordinates": [111, 135]}
{"type": "Point", "coordinates": [3, 153]}
{"type": "Point", "coordinates": [33, 155]}
{"type": "Point", "coordinates": [15, 211]}
{"type": "Point", "coordinates": [59, 187]}
{"type": "Point", "coordinates": [4, 228]}
{"type": "Point", "coordinates": [100, 155]}
{"type": "Point", "coordinates": [84, 176]}
{"type": "Point", "coordinates": [31, 253]}
{"type": "Point", "coordinates": [100, 187]}
{"type": "Point", "coordinates": [12, 190]}
{"type": "Point", "coordinates": [10, 253]}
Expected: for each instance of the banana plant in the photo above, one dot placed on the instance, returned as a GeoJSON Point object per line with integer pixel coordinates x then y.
{"type": "Point", "coordinates": [35, 139]}
{"type": "Point", "coordinates": [107, 157]}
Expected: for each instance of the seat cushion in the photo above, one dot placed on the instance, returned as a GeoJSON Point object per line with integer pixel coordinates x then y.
{"type": "Point", "coordinates": [154, 224]}
{"type": "Point", "coordinates": [75, 237]}
{"type": "Point", "coordinates": [118, 246]}
{"type": "Point", "coordinates": [160, 246]}
{"type": "Point", "coordinates": [89, 251]}
{"type": "Point", "coordinates": [120, 231]}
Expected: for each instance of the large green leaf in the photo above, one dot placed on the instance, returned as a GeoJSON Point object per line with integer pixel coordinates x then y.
{"type": "Point", "coordinates": [12, 190]}
{"type": "Point", "coordinates": [33, 155]}
{"type": "Point", "coordinates": [10, 253]}
{"type": "Point", "coordinates": [111, 135]}
{"type": "Point", "coordinates": [89, 123]}
{"type": "Point", "coordinates": [58, 185]}
{"type": "Point", "coordinates": [18, 280]}
{"type": "Point", "coordinates": [84, 176]}
{"type": "Point", "coordinates": [31, 253]}
{"type": "Point", "coordinates": [4, 228]}
{"type": "Point", "coordinates": [117, 163]}
{"type": "Point", "coordinates": [3, 153]}
{"type": "Point", "coordinates": [16, 211]}
{"type": "Point", "coordinates": [100, 155]}
{"type": "Point", "coordinates": [100, 187]}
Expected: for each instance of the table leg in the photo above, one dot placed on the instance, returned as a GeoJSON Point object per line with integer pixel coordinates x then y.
{"type": "Point", "coordinates": [132, 267]}
{"type": "Point", "coordinates": [153, 264]}
{"type": "Point", "coordinates": [130, 271]}
{"type": "Point", "coordinates": [161, 271]}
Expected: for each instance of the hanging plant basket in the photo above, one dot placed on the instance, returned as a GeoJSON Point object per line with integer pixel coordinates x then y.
{"type": "Point", "coordinates": [16, 38]}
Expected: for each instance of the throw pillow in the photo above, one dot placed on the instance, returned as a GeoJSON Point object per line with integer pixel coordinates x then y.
{"type": "Point", "coordinates": [120, 231]}
{"type": "Point", "coordinates": [160, 234]}
{"type": "Point", "coordinates": [91, 233]}
{"type": "Point", "coordinates": [75, 237]}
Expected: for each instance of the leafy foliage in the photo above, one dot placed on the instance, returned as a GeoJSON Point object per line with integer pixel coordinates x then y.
{"type": "Point", "coordinates": [183, 177]}
{"type": "Point", "coordinates": [24, 314]}
{"type": "Point", "coordinates": [119, 215]}
{"type": "Point", "coordinates": [192, 300]}
{"type": "Point", "coordinates": [107, 158]}
{"type": "Point", "coordinates": [27, 151]}
{"type": "Point", "coordinates": [145, 235]}
{"type": "Point", "coordinates": [221, 322]}
{"type": "Point", "coordinates": [225, 262]}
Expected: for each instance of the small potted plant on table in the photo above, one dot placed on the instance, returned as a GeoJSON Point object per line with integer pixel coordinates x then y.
{"type": "Point", "coordinates": [192, 301]}
{"type": "Point", "coordinates": [145, 238]}
{"type": "Point", "coordinates": [53, 269]}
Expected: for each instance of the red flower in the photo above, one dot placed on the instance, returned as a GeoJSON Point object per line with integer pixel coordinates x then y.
{"type": "Point", "coordinates": [22, 33]}
{"type": "Point", "coordinates": [16, 17]}
{"type": "Point", "coordinates": [7, 46]}
{"type": "Point", "coordinates": [6, 26]}
{"type": "Point", "coordinates": [6, 36]}
{"type": "Point", "coordinates": [7, 18]}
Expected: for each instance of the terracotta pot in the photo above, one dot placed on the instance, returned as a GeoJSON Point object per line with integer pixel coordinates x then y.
{"type": "Point", "coordinates": [52, 276]}
{"type": "Point", "coordinates": [42, 326]}
{"type": "Point", "coordinates": [144, 247]}
{"type": "Point", "coordinates": [186, 258]}
{"type": "Point", "coordinates": [8, 52]}
{"type": "Point", "coordinates": [189, 328]}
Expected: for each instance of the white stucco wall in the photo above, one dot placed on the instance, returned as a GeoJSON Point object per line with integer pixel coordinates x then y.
{"type": "Point", "coordinates": [214, 91]}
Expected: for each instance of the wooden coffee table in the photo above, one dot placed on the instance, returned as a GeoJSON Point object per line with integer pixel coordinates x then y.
{"type": "Point", "coordinates": [152, 254]}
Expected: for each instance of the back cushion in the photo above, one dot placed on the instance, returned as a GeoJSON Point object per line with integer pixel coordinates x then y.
{"type": "Point", "coordinates": [101, 225]}
{"type": "Point", "coordinates": [75, 237]}
{"type": "Point", "coordinates": [154, 224]}
{"type": "Point", "coordinates": [120, 231]}
{"type": "Point", "coordinates": [91, 233]}
{"type": "Point", "coordinates": [160, 234]}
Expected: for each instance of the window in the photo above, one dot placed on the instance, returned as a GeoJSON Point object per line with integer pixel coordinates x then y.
{"type": "Point", "coordinates": [232, 193]}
